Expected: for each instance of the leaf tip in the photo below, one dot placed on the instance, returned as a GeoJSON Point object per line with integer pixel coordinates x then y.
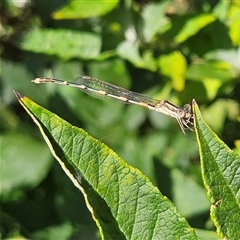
{"type": "Point", "coordinates": [18, 95]}
{"type": "Point", "coordinates": [194, 105]}
{"type": "Point", "coordinates": [194, 102]}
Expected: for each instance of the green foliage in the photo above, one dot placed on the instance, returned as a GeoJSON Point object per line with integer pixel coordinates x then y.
{"type": "Point", "coordinates": [122, 200]}
{"type": "Point", "coordinates": [170, 50]}
{"type": "Point", "coordinates": [81, 45]}
{"type": "Point", "coordinates": [220, 171]}
{"type": "Point", "coordinates": [76, 9]}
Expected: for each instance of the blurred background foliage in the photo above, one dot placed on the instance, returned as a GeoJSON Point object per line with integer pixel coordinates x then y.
{"type": "Point", "coordinates": [174, 50]}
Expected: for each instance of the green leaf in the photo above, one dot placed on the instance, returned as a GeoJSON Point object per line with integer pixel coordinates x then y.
{"type": "Point", "coordinates": [15, 160]}
{"type": "Point", "coordinates": [218, 71]}
{"type": "Point", "coordinates": [63, 231]}
{"type": "Point", "coordinates": [85, 9]}
{"type": "Point", "coordinates": [194, 25]}
{"type": "Point", "coordinates": [155, 19]}
{"type": "Point", "coordinates": [221, 10]}
{"type": "Point", "coordinates": [65, 44]}
{"type": "Point", "coordinates": [234, 23]}
{"type": "Point", "coordinates": [211, 74]}
{"type": "Point", "coordinates": [123, 202]}
{"type": "Point", "coordinates": [177, 62]}
{"type": "Point", "coordinates": [188, 204]}
{"type": "Point", "coordinates": [130, 51]}
{"type": "Point", "coordinates": [221, 176]}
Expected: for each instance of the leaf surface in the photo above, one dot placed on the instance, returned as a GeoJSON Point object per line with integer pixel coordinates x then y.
{"type": "Point", "coordinates": [123, 202]}
{"type": "Point", "coordinates": [221, 175]}
{"type": "Point", "coordinates": [84, 9]}
{"type": "Point", "coordinates": [74, 44]}
{"type": "Point", "coordinates": [193, 25]}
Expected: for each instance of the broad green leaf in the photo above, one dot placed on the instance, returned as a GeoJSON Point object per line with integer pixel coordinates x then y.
{"type": "Point", "coordinates": [14, 75]}
{"type": "Point", "coordinates": [228, 57]}
{"type": "Point", "coordinates": [123, 202]}
{"type": "Point", "coordinates": [84, 9]}
{"type": "Point", "coordinates": [65, 44]}
{"type": "Point", "coordinates": [212, 75]}
{"type": "Point", "coordinates": [130, 51]}
{"type": "Point", "coordinates": [194, 25]}
{"type": "Point", "coordinates": [221, 176]}
{"type": "Point", "coordinates": [221, 10]}
{"type": "Point", "coordinates": [218, 71]}
{"type": "Point", "coordinates": [21, 164]}
{"type": "Point", "coordinates": [234, 23]}
{"type": "Point", "coordinates": [188, 204]}
{"type": "Point", "coordinates": [63, 231]}
{"type": "Point", "coordinates": [155, 19]}
{"type": "Point", "coordinates": [174, 66]}
{"type": "Point", "coordinates": [222, 108]}
{"type": "Point", "coordinates": [118, 74]}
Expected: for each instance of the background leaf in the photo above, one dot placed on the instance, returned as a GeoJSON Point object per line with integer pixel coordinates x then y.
{"type": "Point", "coordinates": [155, 20]}
{"type": "Point", "coordinates": [193, 25]}
{"type": "Point", "coordinates": [178, 63]}
{"type": "Point", "coordinates": [78, 9]}
{"type": "Point", "coordinates": [76, 45]}
{"type": "Point", "coordinates": [23, 171]}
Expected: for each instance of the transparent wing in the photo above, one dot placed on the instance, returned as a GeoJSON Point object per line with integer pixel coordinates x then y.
{"type": "Point", "coordinates": [106, 90]}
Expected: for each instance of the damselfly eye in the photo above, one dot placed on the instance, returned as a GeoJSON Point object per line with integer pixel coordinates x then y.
{"type": "Point", "coordinates": [187, 108]}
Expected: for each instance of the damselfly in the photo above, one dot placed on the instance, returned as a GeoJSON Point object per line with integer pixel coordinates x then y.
{"type": "Point", "coordinates": [105, 90]}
